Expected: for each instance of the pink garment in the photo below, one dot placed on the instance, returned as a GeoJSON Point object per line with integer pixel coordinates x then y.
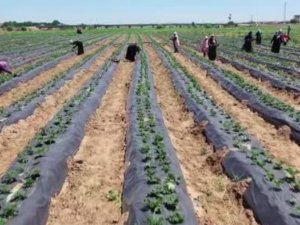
{"type": "Point", "coordinates": [4, 66]}
{"type": "Point", "coordinates": [204, 46]}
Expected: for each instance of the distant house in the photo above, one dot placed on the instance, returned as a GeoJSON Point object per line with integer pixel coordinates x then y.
{"type": "Point", "coordinates": [297, 18]}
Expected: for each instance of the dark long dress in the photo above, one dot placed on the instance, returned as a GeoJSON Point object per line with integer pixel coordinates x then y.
{"type": "Point", "coordinates": [175, 44]}
{"type": "Point", "coordinates": [131, 52]}
{"type": "Point", "coordinates": [276, 43]}
{"type": "Point", "coordinates": [248, 43]}
{"type": "Point", "coordinates": [79, 45]}
{"type": "Point", "coordinates": [258, 38]}
{"type": "Point", "coordinates": [212, 49]}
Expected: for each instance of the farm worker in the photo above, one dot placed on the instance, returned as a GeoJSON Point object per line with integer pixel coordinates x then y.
{"type": "Point", "coordinates": [289, 30]}
{"type": "Point", "coordinates": [285, 38]}
{"type": "Point", "coordinates": [132, 50]}
{"type": "Point", "coordinates": [276, 42]}
{"type": "Point", "coordinates": [248, 42]}
{"type": "Point", "coordinates": [5, 67]}
{"type": "Point", "coordinates": [176, 42]}
{"type": "Point", "coordinates": [79, 31]}
{"type": "Point", "coordinates": [212, 47]}
{"type": "Point", "coordinates": [258, 37]}
{"type": "Point", "coordinates": [78, 45]}
{"type": "Point", "coordinates": [204, 46]}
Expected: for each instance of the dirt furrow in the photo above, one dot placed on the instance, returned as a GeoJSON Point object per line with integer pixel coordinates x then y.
{"type": "Point", "coordinates": [277, 142]}
{"type": "Point", "coordinates": [210, 191]}
{"type": "Point", "coordinates": [14, 138]}
{"type": "Point", "coordinates": [30, 86]}
{"type": "Point", "coordinates": [282, 95]}
{"type": "Point", "coordinates": [98, 167]}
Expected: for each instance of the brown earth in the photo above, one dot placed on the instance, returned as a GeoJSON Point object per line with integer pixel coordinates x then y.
{"type": "Point", "coordinates": [83, 200]}
{"type": "Point", "coordinates": [30, 86]}
{"type": "Point", "coordinates": [210, 190]}
{"type": "Point", "coordinates": [14, 138]}
{"type": "Point", "coordinates": [277, 144]}
{"type": "Point", "coordinates": [285, 96]}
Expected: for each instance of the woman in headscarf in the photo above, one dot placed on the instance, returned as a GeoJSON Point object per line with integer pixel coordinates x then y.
{"type": "Point", "coordinates": [276, 42]}
{"type": "Point", "coordinates": [176, 43]}
{"type": "Point", "coordinates": [5, 67]}
{"type": "Point", "coordinates": [248, 42]}
{"type": "Point", "coordinates": [258, 37]}
{"type": "Point", "coordinates": [204, 46]}
{"type": "Point", "coordinates": [212, 47]}
{"type": "Point", "coordinates": [78, 45]}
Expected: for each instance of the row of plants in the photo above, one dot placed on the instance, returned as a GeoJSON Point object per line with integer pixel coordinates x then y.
{"type": "Point", "coordinates": [46, 52]}
{"type": "Point", "coordinates": [19, 72]}
{"type": "Point", "coordinates": [163, 198]}
{"type": "Point", "coordinates": [280, 178]}
{"type": "Point", "coordinates": [25, 171]}
{"type": "Point", "coordinates": [47, 89]}
{"type": "Point", "coordinates": [287, 115]}
{"type": "Point", "coordinates": [281, 58]}
{"type": "Point", "coordinates": [290, 68]}
{"type": "Point", "coordinates": [280, 75]}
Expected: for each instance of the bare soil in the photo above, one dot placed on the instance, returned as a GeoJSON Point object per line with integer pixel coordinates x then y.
{"type": "Point", "coordinates": [30, 86]}
{"type": "Point", "coordinates": [210, 190]}
{"type": "Point", "coordinates": [285, 96]}
{"type": "Point", "coordinates": [277, 144]}
{"type": "Point", "coordinates": [83, 200]}
{"type": "Point", "coordinates": [14, 138]}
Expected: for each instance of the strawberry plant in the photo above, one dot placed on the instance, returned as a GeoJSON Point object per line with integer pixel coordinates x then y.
{"type": "Point", "coordinates": [176, 218]}
{"type": "Point", "coordinates": [9, 211]}
{"type": "Point", "coordinates": [4, 189]}
{"type": "Point", "coordinates": [171, 202]}
{"type": "Point", "coordinates": [291, 173]}
{"type": "Point", "coordinates": [155, 220]}
{"type": "Point", "coordinates": [154, 205]}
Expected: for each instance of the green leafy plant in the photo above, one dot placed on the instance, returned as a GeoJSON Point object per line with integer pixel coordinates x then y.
{"type": "Point", "coordinates": [155, 220]}
{"type": "Point", "coordinates": [112, 195]}
{"type": "Point", "coordinates": [4, 189]}
{"type": "Point", "coordinates": [297, 209]}
{"type": "Point", "coordinates": [34, 174]}
{"type": "Point", "coordinates": [145, 149]}
{"type": "Point", "coordinates": [277, 165]}
{"type": "Point", "coordinates": [28, 182]}
{"type": "Point", "coordinates": [171, 201]}
{"type": "Point", "coordinates": [154, 204]}
{"type": "Point", "coordinates": [291, 173]}
{"type": "Point", "coordinates": [11, 176]}
{"type": "Point", "coordinates": [176, 218]}
{"type": "Point", "coordinates": [296, 185]}
{"type": "Point", "coordinates": [9, 211]}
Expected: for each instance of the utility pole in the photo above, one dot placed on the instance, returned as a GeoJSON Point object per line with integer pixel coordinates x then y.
{"type": "Point", "coordinates": [284, 13]}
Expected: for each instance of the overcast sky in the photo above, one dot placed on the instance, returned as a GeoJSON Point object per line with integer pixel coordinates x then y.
{"type": "Point", "coordinates": [145, 11]}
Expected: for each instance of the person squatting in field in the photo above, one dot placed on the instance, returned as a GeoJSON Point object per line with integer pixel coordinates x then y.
{"type": "Point", "coordinates": [248, 42]}
{"type": "Point", "coordinates": [176, 42]}
{"type": "Point", "coordinates": [78, 45]}
{"type": "Point", "coordinates": [204, 46]}
{"type": "Point", "coordinates": [5, 67]}
{"type": "Point", "coordinates": [212, 47]}
{"type": "Point", "coordinates": [132, 50]}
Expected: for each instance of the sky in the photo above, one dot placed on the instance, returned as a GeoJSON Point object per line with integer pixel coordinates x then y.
{"type": "Point", "coordinates": [145, 11]}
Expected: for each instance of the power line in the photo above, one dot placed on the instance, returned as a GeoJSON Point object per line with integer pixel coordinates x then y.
{"type": "Point", "coordinates": [284, 15]}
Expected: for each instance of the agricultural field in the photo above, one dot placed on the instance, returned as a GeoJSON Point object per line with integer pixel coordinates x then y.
{"type": "Point", "coordinates": [171, 138]}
